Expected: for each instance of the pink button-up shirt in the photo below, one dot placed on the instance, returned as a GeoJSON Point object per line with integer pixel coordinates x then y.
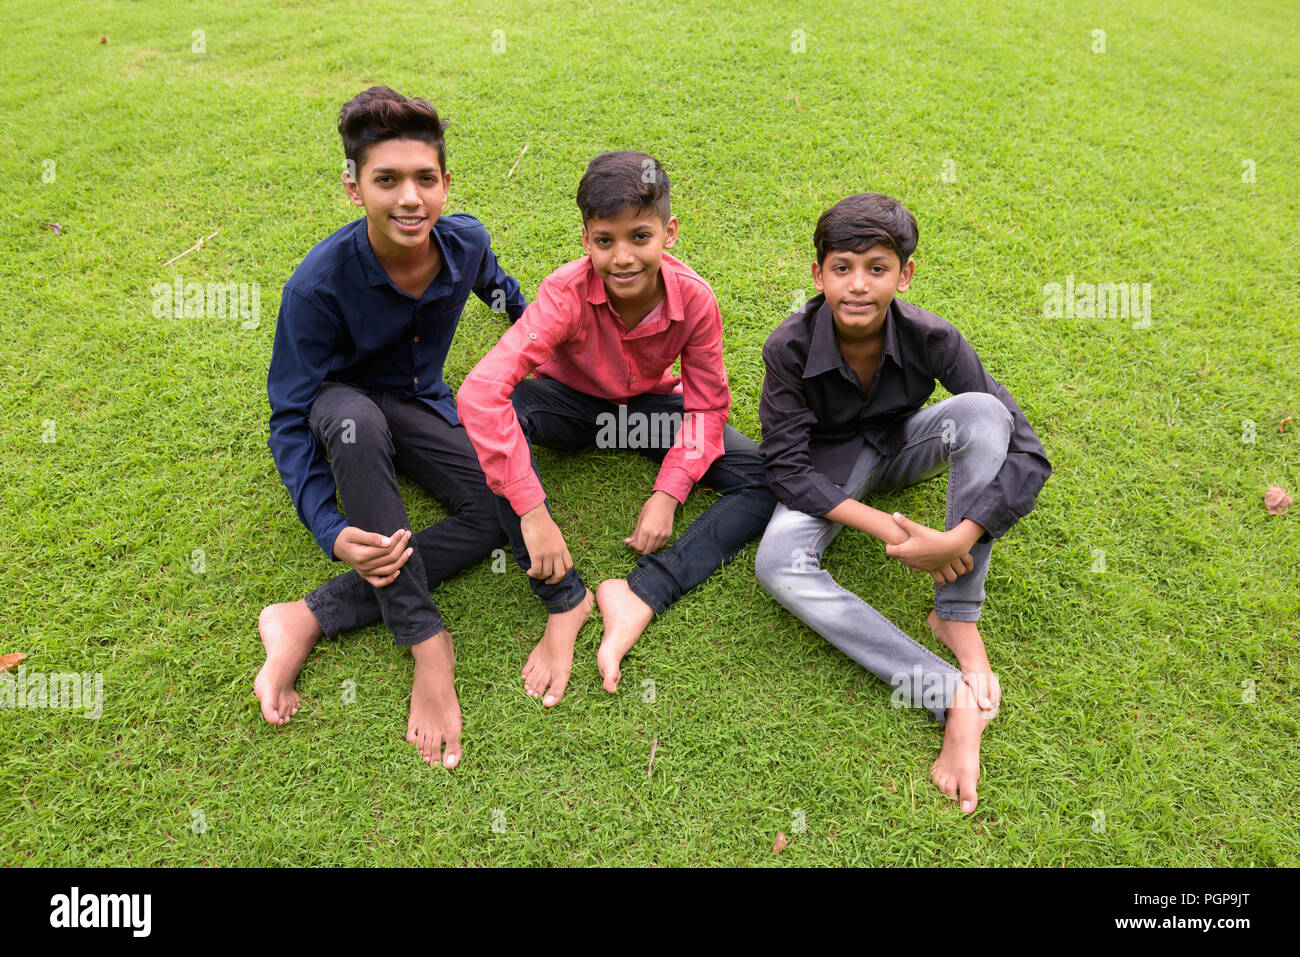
{"type": "Point", "coordinates": [572, 334]}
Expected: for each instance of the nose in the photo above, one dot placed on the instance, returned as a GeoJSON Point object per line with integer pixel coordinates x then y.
{"type": "Point", "coordinates": [408, 196]}
{"type": "Point", "coordinates": [622, 255]}
{"type": "Point", "coordinates": [858, 281]}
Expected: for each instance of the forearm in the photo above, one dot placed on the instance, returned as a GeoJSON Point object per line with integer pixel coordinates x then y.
{"type": "Point", "coordinates": [867, 519]}
{"type": "Point", "coordinates": [965, 535]}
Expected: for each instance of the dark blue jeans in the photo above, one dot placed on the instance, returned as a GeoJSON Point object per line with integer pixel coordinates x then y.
{"type": "Point", "coordinates": [557, 417]}
{"type": "Point", "coordinates": [368, 438]}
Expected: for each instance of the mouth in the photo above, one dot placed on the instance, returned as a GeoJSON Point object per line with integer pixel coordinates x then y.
{"type": "Point", "coordinates": [857, 305]}
{"type": "Point", "coordinates": [625, 278]}
{"type": "Point", "coordinates": [410, 224]}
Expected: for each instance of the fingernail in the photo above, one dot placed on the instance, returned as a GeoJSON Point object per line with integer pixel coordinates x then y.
{"type": "Point", "coordinates": [385, 541]}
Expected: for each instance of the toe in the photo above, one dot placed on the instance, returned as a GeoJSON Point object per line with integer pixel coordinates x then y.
{"type": "Point", "coordinates": [556, 691]}
{"type": "Point", "coordinates": [451, 757]}
{"type": "Point", "coordinates": [969, 798]}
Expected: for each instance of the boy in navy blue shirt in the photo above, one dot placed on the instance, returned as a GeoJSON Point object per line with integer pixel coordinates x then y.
{"type": "Point", "coordinates": [356, 393]}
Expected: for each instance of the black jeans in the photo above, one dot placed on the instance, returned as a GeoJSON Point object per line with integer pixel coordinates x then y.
{"type": "Point", "coordinates": [369, 437]}
{"type": "Point", "coordinates": [557, 417]}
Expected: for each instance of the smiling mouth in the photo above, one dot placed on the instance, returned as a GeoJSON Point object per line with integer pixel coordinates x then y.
{"type": "Point", "coordinates": [409, 220]}
{"type": "Point", "coordinates": [855, 304]}
{"type": "Point", "coordinates": [625, 276]}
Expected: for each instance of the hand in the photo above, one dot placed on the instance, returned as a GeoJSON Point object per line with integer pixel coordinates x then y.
{"type": "Point", "coordinates": [928, 550]}
{"type": "Point", "coordinates": [546, 548]}
{"type": "Point", "coordinates": [655, 524]}
{"type": "Point", "coordinates": [377, 558]}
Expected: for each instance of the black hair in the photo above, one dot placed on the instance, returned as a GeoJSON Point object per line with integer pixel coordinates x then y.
{"type": "Point", "coordinates": [381, 113]}
{"type": "Point", "coordinates": [863, 220]}
{"type": "Point", "coordinates": [622, 180]}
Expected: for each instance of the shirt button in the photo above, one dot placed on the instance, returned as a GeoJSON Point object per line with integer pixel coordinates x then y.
{"type": "Point", "coordinates": [532, 335]}
{"type": "Point", "coordinates": [416, 339]}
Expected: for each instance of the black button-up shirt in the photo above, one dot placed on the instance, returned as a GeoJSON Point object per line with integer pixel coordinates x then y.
{"type": "Point", "coordinates": [342, 320]}
{"type": "Point", "coordinates": [816, 418]}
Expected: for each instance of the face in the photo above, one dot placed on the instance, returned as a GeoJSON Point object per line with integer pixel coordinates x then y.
{"type": "Point", "coordinates": [860, 286]}
{"type": "Point", "coordinates": [626, 251]}
{"type": "Point", "coordinates": [403, 190]}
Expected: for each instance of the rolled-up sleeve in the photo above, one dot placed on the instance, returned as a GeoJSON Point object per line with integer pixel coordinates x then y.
{"type": "Point", "coordinates": [787, 424]}
{"type": "Point", "coordinates": [484, 398]}
{"type": "Point", "coordinates": [706, 402]}
{"type": "Point", "coordinates": [1014, 490]}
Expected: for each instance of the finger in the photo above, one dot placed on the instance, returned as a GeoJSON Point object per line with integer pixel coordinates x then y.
{"type": "Point", "coordinates": [903, 522]}
{"type": "Point", "coordinates": [938, 579]}
{"type": "Point", "coordinates": [949, 577]}
{"type": "Point", "coordinates": [968, 560]}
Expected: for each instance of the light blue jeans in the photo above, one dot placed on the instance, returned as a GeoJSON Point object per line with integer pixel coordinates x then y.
{"type": "Point", "coordinates": [967, 435]}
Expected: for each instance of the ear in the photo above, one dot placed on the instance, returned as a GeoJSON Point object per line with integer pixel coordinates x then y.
{"type": "Point", "coordinates": [446, 181]}
{"type": "Point", "coordinates": [817, 276]}
{"type": "Point", "coordinates": [905, 276]}
{"type": "Point", "coordinates": [350, 186]}
{"type": "Point", "coordinates": [586, 240]}
{"type": "Point", "coordinates": [670, 232]}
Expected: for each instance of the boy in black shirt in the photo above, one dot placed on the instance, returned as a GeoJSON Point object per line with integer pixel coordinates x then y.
{"type": "Point", "coordinates": [842, 416]}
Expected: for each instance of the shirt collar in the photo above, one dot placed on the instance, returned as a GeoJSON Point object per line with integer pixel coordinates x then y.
{"type": "Point", "coordinates": [376, 275]}
{"type": "Point", "coordinates": [824, 352]}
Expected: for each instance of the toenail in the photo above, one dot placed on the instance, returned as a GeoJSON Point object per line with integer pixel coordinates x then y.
{"type": "Point", "coordinates": [550, 699]}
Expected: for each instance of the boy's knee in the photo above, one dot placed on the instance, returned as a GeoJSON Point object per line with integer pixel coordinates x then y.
{"type": "Point", "coordinates": [357, 428]}
{"type": "Point", "coordinates": [983, 421]}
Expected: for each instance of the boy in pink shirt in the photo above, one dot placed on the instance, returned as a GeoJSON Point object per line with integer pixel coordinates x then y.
{"type": "Point", "coordinates": [600, 340]}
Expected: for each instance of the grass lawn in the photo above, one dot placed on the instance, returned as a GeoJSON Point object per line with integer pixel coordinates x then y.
{"type": "Point", "coordinates": [1143, 618]}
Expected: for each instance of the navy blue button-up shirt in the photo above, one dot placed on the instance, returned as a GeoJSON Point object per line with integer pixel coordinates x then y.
{"type": "Point", "coordinates": [343, 320]}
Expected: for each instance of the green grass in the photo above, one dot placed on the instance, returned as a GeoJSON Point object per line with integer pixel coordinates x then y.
{"type": "Point", "coordinates": [1124, 688]}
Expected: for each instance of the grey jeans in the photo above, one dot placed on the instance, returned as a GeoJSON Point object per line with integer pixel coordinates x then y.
{"type": "Point", "coordinates": [966, 435]}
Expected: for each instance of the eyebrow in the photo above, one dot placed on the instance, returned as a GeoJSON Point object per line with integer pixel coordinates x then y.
{"type": "Point", "coordinates": [844, 257]}
{"type": "Point", "coordinates": [386, 169]}
{"type": "Point", "coordinates": [644, 227]}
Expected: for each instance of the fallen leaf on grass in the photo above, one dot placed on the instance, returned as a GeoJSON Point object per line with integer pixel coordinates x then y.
{"type": "Point", "coordinates": [1276, 500]}
{"type": "Point", "coordinates": [11, 661]}
{"type": "Point", "coordinates": [55, 228]}
{"type": "Point", "coordinates": [779, 846]}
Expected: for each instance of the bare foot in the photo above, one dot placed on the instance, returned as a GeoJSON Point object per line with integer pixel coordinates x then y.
{"type": "Point", "coordinates": [626, 617]}
{"type": "Point", "coordinates": [549, 666]}
{"type": "Point", "coordinates": [435, 711]}
{"type": "Point", "coordinates": [957, 769]}
{"type": "Point", "coordinates": [964, 641]}
{"type": "Point", "coordinates": [289, 632]}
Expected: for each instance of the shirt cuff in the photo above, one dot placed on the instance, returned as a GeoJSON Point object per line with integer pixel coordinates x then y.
{"type": "Point", "coordinates": [326, 541]}
{"type": "Point", "coordinates": [524, 494]}
{"type": "Point", "coordinates": [816, 495]}
{"type": "Point", "coordinates": [996, 518]}
{"type": "Point", "coordinates": [675, 482]}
